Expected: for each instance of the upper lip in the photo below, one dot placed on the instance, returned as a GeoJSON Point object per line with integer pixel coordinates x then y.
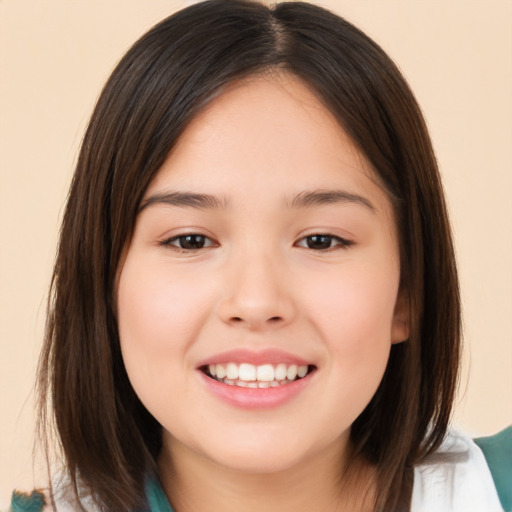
{"type": "Point", "coordinates": [255, 357]}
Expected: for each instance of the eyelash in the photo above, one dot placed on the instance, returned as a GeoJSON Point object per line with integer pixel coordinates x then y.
{"type": "Point", "coordinates": [338, 242]}
{"type": "Point", "coordinates": [177, 242]}
{"type": "Point", "coordinates": [182, 239]}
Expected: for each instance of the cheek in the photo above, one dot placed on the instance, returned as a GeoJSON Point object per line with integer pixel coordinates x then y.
{"type": "Point", "coordinates": [362, 301]}
{"type": "Point", "coordinates": [158, 310]}
{"type": "Point", "coordinates": [158, 316]}
{"type": "Point", "coordinates": [353, 309]}
{"type": "Point", "coordinates": [355, 320]}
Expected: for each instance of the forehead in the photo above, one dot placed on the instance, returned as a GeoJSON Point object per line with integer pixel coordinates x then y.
{"type": "Point", "coordinates": [265, 133]}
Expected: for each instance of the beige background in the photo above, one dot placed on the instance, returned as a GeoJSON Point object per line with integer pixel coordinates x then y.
{"type": "Point", "coordinates": [54, 58]}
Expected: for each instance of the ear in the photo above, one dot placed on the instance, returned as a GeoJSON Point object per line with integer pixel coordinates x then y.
{"type": "Point", "coordinates": [401, 318]}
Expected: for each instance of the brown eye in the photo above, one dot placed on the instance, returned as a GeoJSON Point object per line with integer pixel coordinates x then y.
{"type": "Point", "coordinates": [189, 242]}
{"type": "Point", "coordinates": [319, 242]}
{"type": "Point", "coordinates": [192, 241]}
{"type": "Point", "coordinates": [323, 242]}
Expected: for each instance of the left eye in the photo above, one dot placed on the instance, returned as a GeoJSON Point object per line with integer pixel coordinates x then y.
{"type": "Point", "coordinates": [321, 242]}
{"type": "Point", "coordinates": [189, 242]}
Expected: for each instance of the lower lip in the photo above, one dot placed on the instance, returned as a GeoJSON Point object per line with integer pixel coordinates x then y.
{"type": "Point", "coordinates": [256, 398]}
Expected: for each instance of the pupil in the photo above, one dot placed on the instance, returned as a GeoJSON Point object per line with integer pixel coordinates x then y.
{"type": "Point", "coordinates": [192, 242]}
{"type": "Point", "coordinates": [319, 242]}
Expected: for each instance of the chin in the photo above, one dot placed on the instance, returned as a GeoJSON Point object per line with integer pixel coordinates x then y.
{"type": "Point", "coordinates": [261, 454]}
{"type": "Point", "coordinates": [254, 463]}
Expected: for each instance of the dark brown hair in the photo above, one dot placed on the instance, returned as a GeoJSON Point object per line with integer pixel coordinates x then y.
{"type": "Point", "coordinates": [109, 440]}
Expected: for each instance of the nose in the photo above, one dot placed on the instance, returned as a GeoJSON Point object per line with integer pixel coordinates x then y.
{"type": "Point", "coordinates": [258, 295]}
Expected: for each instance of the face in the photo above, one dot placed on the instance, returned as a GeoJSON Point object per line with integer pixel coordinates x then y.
{"type": "Point", "coordinates": [259, 296]}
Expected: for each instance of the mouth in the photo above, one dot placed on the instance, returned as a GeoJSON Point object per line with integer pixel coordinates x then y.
{"type": "Point", "coordinates": [246, 375]}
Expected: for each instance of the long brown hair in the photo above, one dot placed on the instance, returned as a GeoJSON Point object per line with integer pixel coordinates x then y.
{"type": "Point", "coordinates": [109, 440]}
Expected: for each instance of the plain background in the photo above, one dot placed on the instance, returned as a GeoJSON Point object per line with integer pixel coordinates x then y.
{"type": "Point", "coordinates": [54, 58]}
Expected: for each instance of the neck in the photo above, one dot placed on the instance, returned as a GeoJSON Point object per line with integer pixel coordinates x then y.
{"type": "Point", "coordinates": [194, 484]}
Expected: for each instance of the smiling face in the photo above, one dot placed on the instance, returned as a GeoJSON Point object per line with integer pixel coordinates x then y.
{"type": "Point", "coordinates": [257, 302]}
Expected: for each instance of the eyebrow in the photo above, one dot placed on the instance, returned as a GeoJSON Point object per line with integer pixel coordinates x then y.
{"type": "Point", "coordinates": [305, 199]}
{"type": "Point", "coordinates": [311, 198]}
{"type": "Point", "coordinates": [184, 199]}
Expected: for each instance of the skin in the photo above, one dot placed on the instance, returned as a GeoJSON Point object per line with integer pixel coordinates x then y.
{"type": "Point", "coordinates": [256, 284]}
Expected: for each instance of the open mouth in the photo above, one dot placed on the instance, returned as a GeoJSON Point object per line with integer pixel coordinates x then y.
{"type": "Point", "coordinates": [247, 375]}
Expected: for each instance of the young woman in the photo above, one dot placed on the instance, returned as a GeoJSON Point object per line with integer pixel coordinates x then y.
{"type": "Point", "coordinates": [255, 301]}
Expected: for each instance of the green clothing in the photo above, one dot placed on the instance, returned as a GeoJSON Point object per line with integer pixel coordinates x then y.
{"type": "Point", "coordinates": [27, 502]}
{"type": "Point", "coordinates": [156, 499]}
{"type": "Point", "coordinates": [498, 454]}
{"type": "Point", "coordinates": [497, 450]}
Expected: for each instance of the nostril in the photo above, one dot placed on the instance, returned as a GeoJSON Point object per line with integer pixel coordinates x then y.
{"type": "Point", "coordinates": [253, 322]}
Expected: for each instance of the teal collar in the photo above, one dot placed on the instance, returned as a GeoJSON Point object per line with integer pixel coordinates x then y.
{"type": "Point", "coordinates": [157, 500]}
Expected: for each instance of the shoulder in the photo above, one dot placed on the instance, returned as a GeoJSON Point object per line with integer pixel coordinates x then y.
{"type": "Point", "coordinates": [455, 478]}
{"type": "Point", "coordinates": [497, 450]}
{"type": "Point", "coordinates": [59, 499]}
{"type": "Point", "coordinates": [36, 501]}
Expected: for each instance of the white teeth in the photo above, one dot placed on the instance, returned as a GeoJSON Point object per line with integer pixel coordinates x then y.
{"type": "Point", "coordinates": [221, 371]}
{"type": "Point", "coordinates": [232, 371]}
{"type": "Point", "coordinates": [265, 373]}
{"type": "Point", "coordinates": [291, 374]}
{"type": "Point", "coordinates": [302, 371]}
{"type": "Point", "coordinates": [281, 371]}
{"type": "Point", "coordinates": [262, 376]}
{"type": "Point", "coordinates": [247, 372]}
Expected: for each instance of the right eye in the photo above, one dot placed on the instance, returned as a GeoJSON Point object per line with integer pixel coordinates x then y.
{"type": "Point", "coordinates": [323, 242]}
{"type": "Point", "coordinates": [189, 242]}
